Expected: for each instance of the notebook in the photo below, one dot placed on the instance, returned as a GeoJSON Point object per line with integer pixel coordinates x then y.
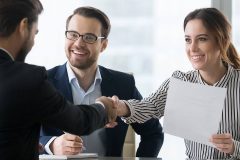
{"type": "Point", "coordinates": [61, 157]}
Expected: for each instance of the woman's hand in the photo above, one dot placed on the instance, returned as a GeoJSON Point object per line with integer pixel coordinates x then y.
{"type": "Point", "coordinates": [223, 142]}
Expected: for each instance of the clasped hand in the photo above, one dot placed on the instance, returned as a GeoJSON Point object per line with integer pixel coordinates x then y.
{"type": "Point", "coordinates": [114, 107]}
{"type": "Point", "coordinates": [67, 144]}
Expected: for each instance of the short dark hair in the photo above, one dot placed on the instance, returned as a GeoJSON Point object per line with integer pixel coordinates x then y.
{"type": "Point", "coordinates": [92, 12]}
{"type": "Point", "coordinates": [13, 11]}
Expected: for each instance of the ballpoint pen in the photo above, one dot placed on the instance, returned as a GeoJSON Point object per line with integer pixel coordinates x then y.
{"type": "Point", "coordinates": [84, 148]}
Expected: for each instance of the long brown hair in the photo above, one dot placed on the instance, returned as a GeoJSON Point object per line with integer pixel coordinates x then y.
{"type": "Point", "coordinates": [217, 23]}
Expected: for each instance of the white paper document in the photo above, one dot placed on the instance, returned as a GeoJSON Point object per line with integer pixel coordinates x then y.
{"type": "Point", "coordinates": [62, 157]}
{"type": "Point", "coordinates": [193, 111]}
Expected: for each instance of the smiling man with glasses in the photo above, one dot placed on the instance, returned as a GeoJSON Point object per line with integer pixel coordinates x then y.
{"type": "Point", "coordinates": [81, 80]}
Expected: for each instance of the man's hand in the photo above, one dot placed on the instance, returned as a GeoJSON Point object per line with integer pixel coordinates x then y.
{"type": "Point", "coordinates": [223, 142]}
{"type": "Point", "coordinates": [110, 109]}
{"type": "Point", "coordinates": [67, 144]}
{"type": "Point", "coordinates": [122, 108]}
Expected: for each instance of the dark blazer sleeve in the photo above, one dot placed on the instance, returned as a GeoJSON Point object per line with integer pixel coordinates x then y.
{"type": "Point", "coordinates": [150, 132]}
{"type": "Point", "coordinates": [57, 112]}
{"type": "Point", "coordinates": [47, 132]}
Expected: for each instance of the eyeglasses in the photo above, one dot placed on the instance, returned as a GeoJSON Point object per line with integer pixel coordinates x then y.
{"type": "Point", "coordinates": [88, 37]}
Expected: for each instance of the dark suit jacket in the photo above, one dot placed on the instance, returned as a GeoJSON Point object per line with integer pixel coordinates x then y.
{"type": "Point", "coordinates": [27, 99]}
{"type": "Point", "coordinates": [122, 85]}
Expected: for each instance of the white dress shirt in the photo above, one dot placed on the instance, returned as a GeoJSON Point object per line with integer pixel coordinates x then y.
{"type": "Point", "coordinates": [88, 97]}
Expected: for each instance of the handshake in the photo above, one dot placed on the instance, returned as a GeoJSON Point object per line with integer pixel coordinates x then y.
{"type": "Point", "coordinates": [114, 107]}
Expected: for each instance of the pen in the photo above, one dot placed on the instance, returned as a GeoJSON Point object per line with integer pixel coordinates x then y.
{"type": "Point", "coordinates": [84, 148]}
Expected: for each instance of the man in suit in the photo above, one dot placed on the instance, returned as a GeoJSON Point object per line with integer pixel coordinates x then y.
{"type": "Point", "coordinates": [81, 80]}
{"type": "Point", "coordinates": [27, 99]}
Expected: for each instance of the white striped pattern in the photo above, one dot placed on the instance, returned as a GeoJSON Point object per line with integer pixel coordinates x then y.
{"type": "Point", "coordinates": [153, 106]}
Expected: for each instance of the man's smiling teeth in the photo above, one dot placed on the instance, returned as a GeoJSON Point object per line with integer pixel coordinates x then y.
{"type": "Point", "coordinates": [77, 52]}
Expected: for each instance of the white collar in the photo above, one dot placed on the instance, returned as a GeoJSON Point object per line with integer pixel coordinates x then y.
{"type": "Point", "coordinates": [7, 53]}
{"type": "Point", "coordinates": [71, 74]}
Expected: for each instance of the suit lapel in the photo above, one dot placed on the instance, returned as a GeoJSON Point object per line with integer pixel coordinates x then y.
{"type": "Point", "coordinates": [62, 82]}
{"type": "Point", "coordinates": [107, 86]}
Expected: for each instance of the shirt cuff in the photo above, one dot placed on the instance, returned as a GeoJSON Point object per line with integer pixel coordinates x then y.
{"type": "Point", "coordinates": [128, 119]}
{"type": "Point", "coordinates": [236, 153]}
{"type": "Point", "coordinates": [99, 102]}
{"type": "Point", "coordinates": [47, 146]}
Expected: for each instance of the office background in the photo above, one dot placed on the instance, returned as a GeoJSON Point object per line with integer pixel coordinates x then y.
{"type": "Point", "coordinates": [146, 39]}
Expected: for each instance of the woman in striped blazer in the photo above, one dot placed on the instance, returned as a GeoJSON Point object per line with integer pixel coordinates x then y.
{"type": "Point", "coordinates": [216, 63]}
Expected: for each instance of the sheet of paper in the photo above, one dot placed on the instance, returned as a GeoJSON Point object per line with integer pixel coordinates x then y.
{"type": "Point", "coordinates": [193, 111]}
{"type": "Point", "coordinates": [62, 157]}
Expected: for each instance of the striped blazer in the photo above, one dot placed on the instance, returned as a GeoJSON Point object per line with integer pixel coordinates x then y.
{"type": "Point", "coordinates": [230, 120]}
